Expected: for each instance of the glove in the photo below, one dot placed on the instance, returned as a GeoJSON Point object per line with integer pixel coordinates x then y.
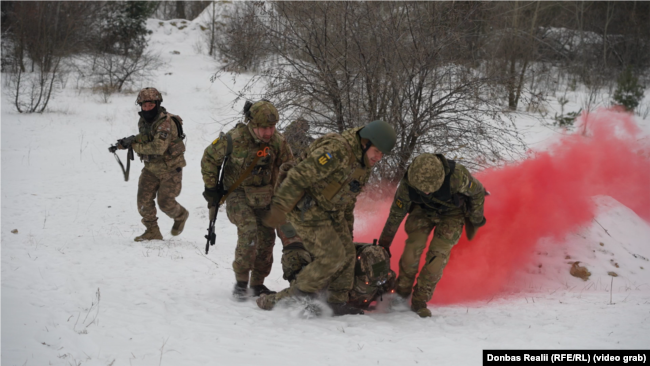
{"type": "Point", "coordinates": [275, 217]}
{"type": "Point", "coordinates": [126, 142]}
{"type": "Point", "coordinates": [212, 196]}
{"type": "Point", "coordinates": [294, 259]}
{"type": "Point", "coordinates": [472, 227]}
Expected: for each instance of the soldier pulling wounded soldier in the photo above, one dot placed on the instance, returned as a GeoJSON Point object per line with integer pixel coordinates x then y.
{"type": "Point", "coordinates": [318, 197]}
{"type": "Point", "coordinates": [434, 192]}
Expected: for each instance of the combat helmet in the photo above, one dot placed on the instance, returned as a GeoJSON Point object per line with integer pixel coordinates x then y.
{"type": "Point", "coordinates": [149, 95]}
{"type": "Point", "coordinates": [426, 173]}
{"type": "Point", "coordinates": [261, 114]}
{"type": "Point", "coordinates": [380, 134]}
{"type": "Point", "coordinates": [373, 264]}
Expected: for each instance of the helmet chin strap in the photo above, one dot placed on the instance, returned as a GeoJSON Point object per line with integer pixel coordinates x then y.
{"type": "Point", "coordinates": [363, 153]}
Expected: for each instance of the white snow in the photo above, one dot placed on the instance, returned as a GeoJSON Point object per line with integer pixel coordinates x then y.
{"type": "Point", "coordinates": [76, 289]}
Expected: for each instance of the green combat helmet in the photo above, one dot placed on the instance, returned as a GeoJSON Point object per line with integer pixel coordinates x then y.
{"type": "Point", "coordinates": [261, 114]}
{"type": "Point", "coordinates": [426, 173]}
{"type": "Point", "coordinates": [149, 95]}
{"type": "Point", "coordinates": [381, 135]}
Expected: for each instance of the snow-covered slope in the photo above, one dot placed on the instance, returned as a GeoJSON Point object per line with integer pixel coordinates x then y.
{"type": "Point", "coordinates": [77, 290]}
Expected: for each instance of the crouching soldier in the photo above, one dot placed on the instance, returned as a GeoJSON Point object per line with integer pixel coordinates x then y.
{"type": "Point", "coordinates": [318, 197]}
{"type": "Point", "coordinates": [256, 152]}
{"type": "Point", "coordinates": [439, 193]}
{"type": "Point", "coordinates": [160, 146]}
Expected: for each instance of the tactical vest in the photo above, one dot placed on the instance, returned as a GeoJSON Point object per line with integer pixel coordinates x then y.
{"type": "Point", "coordinates": [441, 200]}
{"type": "Point", "coordinates": [176, 145]}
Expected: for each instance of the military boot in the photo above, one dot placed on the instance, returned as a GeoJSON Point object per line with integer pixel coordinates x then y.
{"type": "Point", "coordinates": [345, 309]}
{"type": "Point", "coordinates": [152, 232]}
{"type": "Point", "coordinates": [420, 307]}
{"type": "Point", "coordinates": [179, 223]}
{"type": "Point", "coordinates": [259, 290]}
{"type": "Point", "coordinates": [240, 291]}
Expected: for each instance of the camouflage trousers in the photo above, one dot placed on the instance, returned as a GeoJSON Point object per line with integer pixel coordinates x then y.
{"type": "Point", "coordinates": [419, 224]}
{"type": "Point", "coordinates": [167, 187]}
{"type": "Point", "coordinates": [254, 252]}
{"type": "Point", "coordinates": [330, 245]}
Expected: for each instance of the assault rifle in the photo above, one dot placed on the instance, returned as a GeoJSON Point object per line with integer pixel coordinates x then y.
{"type": "Point", "coordinates": [126, 144]}
{"type": "Point", "coordinates": [214, 210]}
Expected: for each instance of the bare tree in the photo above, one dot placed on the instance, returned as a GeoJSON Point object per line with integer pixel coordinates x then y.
{"type": "Point", "coordinates": [242, 42]}
{"type": "Point", "coordinates": [42, 35]}
{"type": "Point", "coordinates": [345, 64]}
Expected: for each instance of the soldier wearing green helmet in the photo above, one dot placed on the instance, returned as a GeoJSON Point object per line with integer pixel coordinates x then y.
{"type": "Point", "coordinates": [257, 145]}
{"type": "Point", "coordinates": [318, 197]}
{"type": "Point", "coordinates": [434, 192]}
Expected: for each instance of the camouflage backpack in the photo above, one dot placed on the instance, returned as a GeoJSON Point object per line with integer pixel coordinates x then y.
{"type": "Point", "coordinates": [372, 275]}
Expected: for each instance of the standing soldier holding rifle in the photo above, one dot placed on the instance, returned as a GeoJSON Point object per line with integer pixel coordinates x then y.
{"type": "Point", "coordinates": [160, 146]}
{"type": "Point", "coordinates": [255, 152]}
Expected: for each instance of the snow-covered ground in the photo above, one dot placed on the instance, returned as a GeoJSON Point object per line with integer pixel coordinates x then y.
{"type": "Point", "coordinates": [76, 289]}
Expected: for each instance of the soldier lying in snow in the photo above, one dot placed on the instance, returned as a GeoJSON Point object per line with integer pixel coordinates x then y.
{"type": "Point", "coordinates": [372, 274]}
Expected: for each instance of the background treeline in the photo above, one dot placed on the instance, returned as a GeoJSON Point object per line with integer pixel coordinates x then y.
{"type": "Point", "coordinates": [447, 75]}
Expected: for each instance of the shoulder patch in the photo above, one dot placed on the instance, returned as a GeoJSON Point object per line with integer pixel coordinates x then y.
{"type": "Point", "coordinates": [325, 159]}
{"type": "Point", "coordinates": [215, 141]}
{"type": "Point", "coordinates": [399, 203]}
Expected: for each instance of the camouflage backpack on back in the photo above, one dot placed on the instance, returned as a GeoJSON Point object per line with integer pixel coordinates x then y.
{"type": "Point", "coordinates": [372, 275]}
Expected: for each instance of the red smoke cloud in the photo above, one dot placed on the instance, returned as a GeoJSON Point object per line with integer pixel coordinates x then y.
{"type": "Point", "coordinates": [547, 195]}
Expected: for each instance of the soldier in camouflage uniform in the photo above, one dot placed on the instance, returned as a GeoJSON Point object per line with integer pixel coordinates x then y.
{"type": "Point", "coordinates": [297, 137]}
{"type": "Point", "coordinates": [248, 202]}
{"type": "Point", "coordinates": [439, 193]}
{"type": "Point", "coordinates": [161, 147]}
{"type": "Point", "coordinates": [318, 197]}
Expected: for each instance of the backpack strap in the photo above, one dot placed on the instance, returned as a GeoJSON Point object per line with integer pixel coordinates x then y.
{"type": "Point", "coordinates": [334, 187]}
{"type": "Point", "coordinates": [179, 126]}
{"type": "Point", "coordinates": [228, 142]}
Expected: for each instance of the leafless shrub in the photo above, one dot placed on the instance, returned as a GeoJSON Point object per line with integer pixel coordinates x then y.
{"type": "Point", "coordinates": [242, 41]}
{"type": "Point", "coordinates": [110, 73]}
{"type": "Point", "coordinates": [41, 35]}
{"type": "Point", "coordinates": [342, 65]}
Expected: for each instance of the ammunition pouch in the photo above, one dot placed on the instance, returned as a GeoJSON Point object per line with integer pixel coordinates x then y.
{"type": "Point", "coordinates": [258, 197]}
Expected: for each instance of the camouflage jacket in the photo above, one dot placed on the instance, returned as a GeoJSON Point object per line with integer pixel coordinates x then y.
{"type": "Point", "coordinates": [244, 150]}
{"type": "Point", "coordinates": [159, 145]}
{"type": "Point", "coordinates": [325, 184]}
{"type": "Point", "coordinates": [462, 195]}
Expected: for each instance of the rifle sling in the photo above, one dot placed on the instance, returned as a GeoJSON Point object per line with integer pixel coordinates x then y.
{"type": "Point", "coordinates": [244, 175]}
{"type": "Point", "coordinates": [129, 157]}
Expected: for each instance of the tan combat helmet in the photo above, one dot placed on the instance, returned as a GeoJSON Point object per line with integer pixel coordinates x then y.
{"type": "Point", "coordinates": [426, 173]}
{"type": "Point", "coordinates": [262, 114]}
{"type": "Point", "coordinates": [149, 95]}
